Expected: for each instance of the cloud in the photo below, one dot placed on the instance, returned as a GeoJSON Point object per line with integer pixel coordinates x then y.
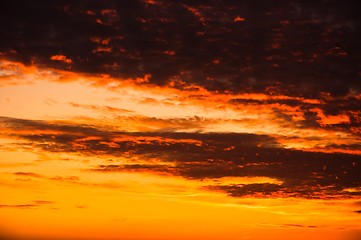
{"type": "Point", "coordinates": [304, 50]}
{"type": "Point", "coordinates": [283, 114]}
{"type": "Point", "coordinates": [61, 58]}
{"type": "Point", "coordinates": [70, 179]}
{"type": "Point", "coordinates": [200, 156]}
{"type": "Point", "coordinates": [23, 206]}
{"type": "Point", "coordinates": [264, 59]}
{"type": "Point", "coordinates": [28, 174]}
{"type": "Point", "coordinates": [105, 109]}
{"type": "Point", "coordinates": [73, 180]}
{"type": "Point", "coordinates": [247, 190]}
{"type": "Point", "coordinates": [298, 225]}
{"type": "Point", "coordinates": [34, 204]}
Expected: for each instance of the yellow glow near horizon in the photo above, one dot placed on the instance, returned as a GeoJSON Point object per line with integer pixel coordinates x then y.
{"type": "Point", "coordinates": [109, 206]}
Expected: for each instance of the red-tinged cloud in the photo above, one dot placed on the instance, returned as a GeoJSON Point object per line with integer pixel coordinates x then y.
{"type": "Point", "coordinates": [239, 19]}
{"type": "Point", "coordinates": [61, 58]}
{"type": "Point", "coordinates": [200, 156]}
{"type": "Point", "coordinates": [326, 113]}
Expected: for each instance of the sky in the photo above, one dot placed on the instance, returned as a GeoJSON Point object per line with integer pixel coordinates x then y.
{"type": "Point", "coordinates": [172, 120]}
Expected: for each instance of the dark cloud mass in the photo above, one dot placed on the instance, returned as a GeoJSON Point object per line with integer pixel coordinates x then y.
{"type": "Point", "coordinates": [200, 156]}
{"type": "Point", "coordinates": [301, 48]}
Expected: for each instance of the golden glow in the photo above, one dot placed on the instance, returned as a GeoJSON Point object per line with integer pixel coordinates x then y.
{"type": "Point", "coordinates": [53, 193]}
{"type": "Point", "coordinates": [49, 204]}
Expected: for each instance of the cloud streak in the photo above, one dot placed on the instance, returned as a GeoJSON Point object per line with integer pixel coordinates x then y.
{"type": "Point", "coordinates": [33, 205]}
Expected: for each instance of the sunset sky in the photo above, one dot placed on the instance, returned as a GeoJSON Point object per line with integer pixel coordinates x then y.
{"type": "Point", "coordinates": [175, 120]}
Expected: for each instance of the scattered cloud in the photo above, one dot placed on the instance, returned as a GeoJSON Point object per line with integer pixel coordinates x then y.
{"type": "Point", "coordinates": [61, 58]}
{"type": "Point", "coordinates": [245, 99]}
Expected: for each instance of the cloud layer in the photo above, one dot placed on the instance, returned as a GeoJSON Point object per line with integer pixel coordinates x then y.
{"type": "Point", "coordinates": [201, 156]}
{"type": "Point", "coordinates": [295, 48]}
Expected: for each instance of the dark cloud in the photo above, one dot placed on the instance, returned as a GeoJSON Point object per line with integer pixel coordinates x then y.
{"type": "Point", "coordinates": [357, 211]}
{"type": "Point", "coordinates": [65, 135]}
{"type": "Point", "coordinates": [247, 190]}
{"type": "Point", "coordinates": [300, 49]}
{"type": "Point", "coordinates": [24, 206]}
{"type": "Point", "coordinates": [298, 225]}
{"type": "Point", "coordinates": [201, 156]}
{"type": "Point", "coordinates": [303, 48]}
{"type": "Point", "coordinates": [34, 204]}
{"type": "Point", "coordinates": [312, 112]}
{"type": "Point", "coordinates": [20, 124]}
{"type": "Point", "coordinates": [28, 174]}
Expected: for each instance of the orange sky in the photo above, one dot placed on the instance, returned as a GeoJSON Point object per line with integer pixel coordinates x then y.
{"type": "Point", "coordinates": [203, 132]}
{"type": "Point", "coordinates": [50, 191]}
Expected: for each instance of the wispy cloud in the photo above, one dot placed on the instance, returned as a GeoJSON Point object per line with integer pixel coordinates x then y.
{"type": "Point", "coordinates": [33, 205]}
